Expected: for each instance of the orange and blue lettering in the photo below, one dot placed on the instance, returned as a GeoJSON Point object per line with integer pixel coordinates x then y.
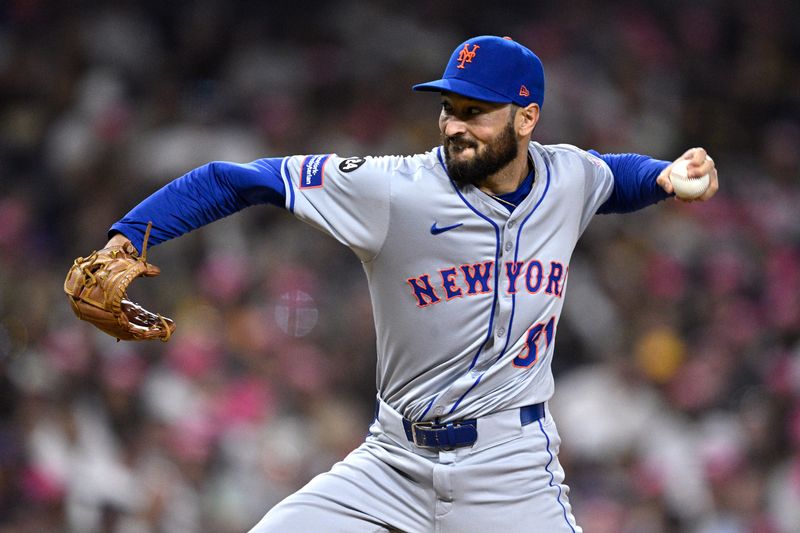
{"type": "Point", "coordinates": [533, 276]}
{"type": "Point", "coordinates": [513, 270]}
{"type": "Point", "coordinates": [554, 278]}
{"type": "Point", "coordinates": [478, 273]}
{"type": "Point", "coordinates": [530, 353]}
{"type": "Point", "coordinates": [477, 280]}
{"type": "Point", "coordinates": [423, 291]}
{"type": "Point", "coordinates": [451, 290]}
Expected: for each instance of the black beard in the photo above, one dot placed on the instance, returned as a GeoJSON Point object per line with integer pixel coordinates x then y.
{"type": "Point", "coordinates": [493, 158]}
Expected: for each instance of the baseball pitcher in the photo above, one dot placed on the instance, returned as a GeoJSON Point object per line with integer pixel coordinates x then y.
{"type": "Point", "coordinates": [467, 252]}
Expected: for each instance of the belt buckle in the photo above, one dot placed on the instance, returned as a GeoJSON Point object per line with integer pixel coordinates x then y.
{"type": "Point", "coordinates": [421, 425]}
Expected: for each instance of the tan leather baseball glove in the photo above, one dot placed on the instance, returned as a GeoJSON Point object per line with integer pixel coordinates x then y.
{"type": "Point", "coordinates": [97, 289]}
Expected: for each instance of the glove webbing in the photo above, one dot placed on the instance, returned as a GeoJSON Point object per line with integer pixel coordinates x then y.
{"type": "Point", "coordinates": [144, 259]}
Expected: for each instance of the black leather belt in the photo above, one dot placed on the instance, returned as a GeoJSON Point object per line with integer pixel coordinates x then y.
{"type": "Point", "coordinates": [458, 433]}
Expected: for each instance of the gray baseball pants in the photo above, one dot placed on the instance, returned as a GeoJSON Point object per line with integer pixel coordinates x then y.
{"type": "Point", "coordinates": [510, 480]}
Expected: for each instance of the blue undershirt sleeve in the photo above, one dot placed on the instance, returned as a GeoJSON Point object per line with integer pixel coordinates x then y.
{"type": "Point", "coordinates": [635, 184]}
{"type": "Point", "coordinates": [203, 195]}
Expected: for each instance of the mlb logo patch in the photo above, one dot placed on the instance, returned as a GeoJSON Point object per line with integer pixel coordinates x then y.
{"type": "Point", "coordinates": [312, 171]}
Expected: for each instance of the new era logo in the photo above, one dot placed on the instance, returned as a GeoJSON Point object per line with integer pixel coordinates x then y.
{"type": "Point", "coordinates": [523, 91]}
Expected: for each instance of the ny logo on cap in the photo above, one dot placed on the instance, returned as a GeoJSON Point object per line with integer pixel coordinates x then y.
{"type": "Point", "coordinates": [466, 55]}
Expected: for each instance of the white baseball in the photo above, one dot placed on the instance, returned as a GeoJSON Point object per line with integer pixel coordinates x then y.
{"type": "Point", "coordinates": [685, 187]}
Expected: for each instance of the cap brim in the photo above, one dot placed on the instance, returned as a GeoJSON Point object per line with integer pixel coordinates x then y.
{"type": "Point", "coordinates": [463, 88]}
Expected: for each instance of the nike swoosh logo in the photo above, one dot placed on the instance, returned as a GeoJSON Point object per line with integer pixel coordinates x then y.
{"type": "Point", "coordinates": [435, 230]}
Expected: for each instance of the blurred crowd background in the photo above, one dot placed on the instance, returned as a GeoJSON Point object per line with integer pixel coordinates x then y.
{"type": "Point", "coordinates": [678, 356]}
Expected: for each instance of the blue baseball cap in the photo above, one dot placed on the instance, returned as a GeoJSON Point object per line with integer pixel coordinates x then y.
{"type": "Point", "coordinates": [493, 69]}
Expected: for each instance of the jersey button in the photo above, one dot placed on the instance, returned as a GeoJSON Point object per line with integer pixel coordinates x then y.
{"type": "Point", "coordinates": [501, 332]}
{"type": "Point", "coordinates": [510, 224]}
{"type": "Point", "coordinates": [509, 246]}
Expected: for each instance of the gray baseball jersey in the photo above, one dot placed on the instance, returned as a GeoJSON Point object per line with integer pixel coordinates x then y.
{"type": "Point", "coordinates": [467, 299]}
{"type": "Point", "coordinates": [466, 296]}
